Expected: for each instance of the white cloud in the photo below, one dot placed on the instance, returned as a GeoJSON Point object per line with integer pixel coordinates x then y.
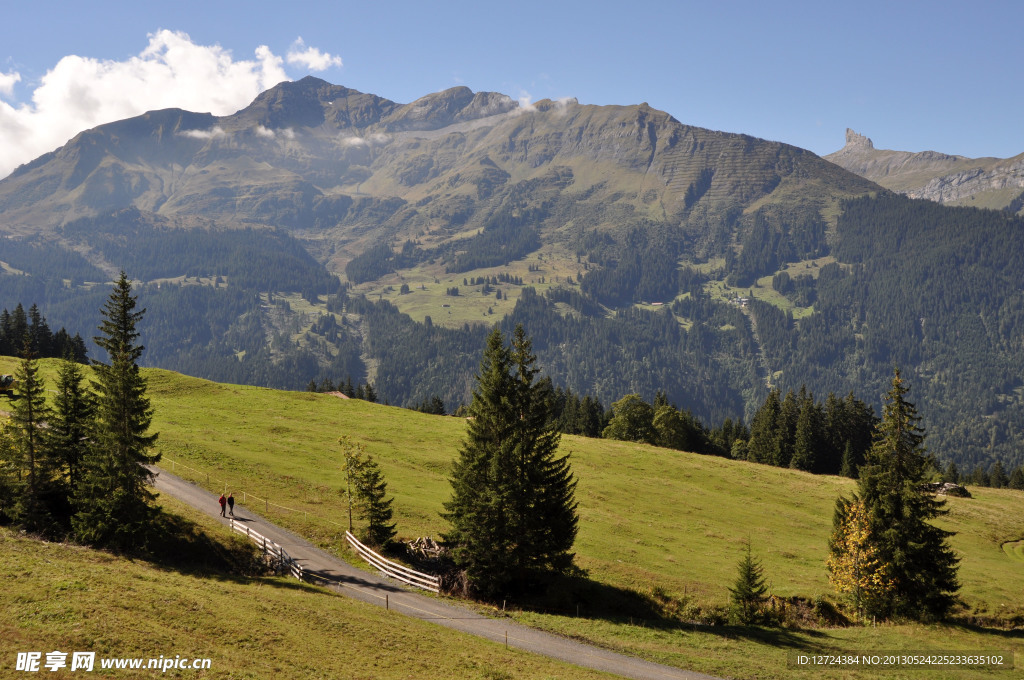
{"type": "Point", "coordinates": [7, 81]}
{"type": "Point", "coordinates": [171, 72]}
{"type": "Point", "coordinates": [311, 57]}
{"type": "Point", "coordinates": [525, 101]}
{"type": "Point", "coordinates": [215, 131]}
{"type": "Point", "coordinates": [264, 132]}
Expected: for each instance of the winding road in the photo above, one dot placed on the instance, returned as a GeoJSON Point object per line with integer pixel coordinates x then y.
{"type": "Point", "coordinates": [334, 573]}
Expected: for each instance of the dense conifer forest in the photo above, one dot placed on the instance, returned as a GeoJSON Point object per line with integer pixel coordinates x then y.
{"type": "Point", "coordinates": [935, 290]}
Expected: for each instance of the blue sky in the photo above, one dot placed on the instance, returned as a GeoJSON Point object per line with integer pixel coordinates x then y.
{"type": "Point", "coordinates": [910, 75]}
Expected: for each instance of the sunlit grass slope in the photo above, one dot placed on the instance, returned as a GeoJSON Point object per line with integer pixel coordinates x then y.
{"type": "Point", "coordinates": [68, 598]}
{"type": "Point", "coordinates": [650, 519]}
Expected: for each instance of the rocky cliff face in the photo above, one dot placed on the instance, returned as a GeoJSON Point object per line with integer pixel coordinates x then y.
{"type": "Point", "coordinates": [985, 182]}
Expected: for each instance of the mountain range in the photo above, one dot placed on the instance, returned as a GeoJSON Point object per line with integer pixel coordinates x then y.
{"type": "Point", "coordinates": [324, 233]}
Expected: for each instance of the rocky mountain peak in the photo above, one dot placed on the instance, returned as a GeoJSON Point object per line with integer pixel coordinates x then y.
{"type": "Point", "coordinates": [857, 141]}
{"type": "Point", "coordinates": [454, 105]}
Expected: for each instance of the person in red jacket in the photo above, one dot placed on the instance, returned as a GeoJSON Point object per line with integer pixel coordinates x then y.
{"type": "Point", "coordinates": [223, 502]}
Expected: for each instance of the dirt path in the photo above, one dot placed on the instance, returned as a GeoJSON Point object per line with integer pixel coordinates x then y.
{"type": "Point", "coordinates": [348, 580]}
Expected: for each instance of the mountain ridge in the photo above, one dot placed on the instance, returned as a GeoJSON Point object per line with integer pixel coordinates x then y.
{"type": "Point", "coordinates": [956, 180]}
{"type": "Point", "coordinates": [323, 141]}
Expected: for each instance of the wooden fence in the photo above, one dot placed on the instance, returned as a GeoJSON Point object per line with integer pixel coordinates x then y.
{"type": "Point", "coordinates": [395, 570]}
{"type": "Point", "coordinates": [282, 558]}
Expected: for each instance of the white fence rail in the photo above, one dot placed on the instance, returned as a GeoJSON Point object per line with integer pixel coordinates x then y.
{"type": "Point", "coordinates": [269, 547]}
{"type": "Point", "coordinates": [395, 570]}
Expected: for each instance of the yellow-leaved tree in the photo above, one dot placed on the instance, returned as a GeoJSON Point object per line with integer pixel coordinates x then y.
{"type": "Point", "coordinates": [854, 568]}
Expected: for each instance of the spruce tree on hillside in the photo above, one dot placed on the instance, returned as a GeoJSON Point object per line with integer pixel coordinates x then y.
{"type": "Point", "coordinates": [114, 506]}
{"type": "Point", "coordinates": [71, 424]}
{"type": "Point", "coordinates": [513, 510]}
{"type": "Point", "coordinates": [915, 552]}
{"type": "Point", "coordinates": [748, 593]}
{"type": "Point", "coordinates": [37, 469]}
{"type": "Point", "coordinates": [374, 506]}
{"type": "Point", "coordinates": [1017, 478]}
{"type": "Point", "coordinates": [761, 447]}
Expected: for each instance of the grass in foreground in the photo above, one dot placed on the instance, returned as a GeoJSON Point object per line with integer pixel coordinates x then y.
{"type": "Point", "coordinates": [69, 598]}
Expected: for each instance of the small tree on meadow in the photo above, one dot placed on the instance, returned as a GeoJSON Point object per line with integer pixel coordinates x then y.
{"type": "Point", "coordinates": [748, 593]}
{"type": "Point", "coordinates": [373, 505]}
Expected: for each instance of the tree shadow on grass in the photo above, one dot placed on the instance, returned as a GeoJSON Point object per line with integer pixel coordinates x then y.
{"type": "Point", "coordinates": [579, 596]}
{"type": "Point", "coordinates": [981, 629]}
{"type": "Point", "coordinates": [178, 544]}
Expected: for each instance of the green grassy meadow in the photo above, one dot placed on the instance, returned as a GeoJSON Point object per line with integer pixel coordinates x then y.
{"type": "Point", "coordinates": [662, 523]}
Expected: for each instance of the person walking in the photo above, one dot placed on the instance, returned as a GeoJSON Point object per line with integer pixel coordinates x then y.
{"type": "Point", "coordinates": [223, 502]}
{"type": "Point", "coordinates": [231, 504]}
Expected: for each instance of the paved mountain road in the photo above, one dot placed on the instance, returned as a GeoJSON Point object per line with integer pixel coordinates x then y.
{"type": "Point", "coordinates": [341, 576]}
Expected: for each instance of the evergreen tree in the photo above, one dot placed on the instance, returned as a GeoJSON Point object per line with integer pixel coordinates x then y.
{"type": "Point", "coordinates": [785, 432]}
{"type": "Point", "coordinates": [761, 446]}
{"type": "Point", "coordinates": [849, 466]}
{"type": "Point", "coordinates": [978, 476]}
{"type": "Point", "coordinates": [998, 477]}
{"type": "Point", "coordinates": [916, 553]}
{"type": "Point", "coordinates": [71, 425]}
{"type": "Point", "coordinates": [748, 593]}
{"type": "Point", "coordinates": [513, 509]}
{"type": "Point", "coordinates": [591, 420]}
{"type": "Point", "coordinates": [37, 468]}
{"type": "Point", "coordinates": [1017, 478]}
{"type": "Point", "coordinates": [807, 441]}
{"type": "Point", "coordinates": [374, 508]}
{"type": "Point", "coordinates": [114, 505]}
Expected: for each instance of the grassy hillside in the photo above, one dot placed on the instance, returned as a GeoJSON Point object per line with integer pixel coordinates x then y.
{"type": "Point", "coordinates": [68, 598]}
{"type": "Point", "coordinates": [663, 523]}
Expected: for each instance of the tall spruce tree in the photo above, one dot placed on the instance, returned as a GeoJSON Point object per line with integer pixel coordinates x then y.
{"type": "Point", "coordinates": [915, 552]}
{"type": "Point", "coordinates": [114, 506]}
{"type": "Point", "coordinates": [513, 510]}
{"type": "Point", "coordinates": [37, 469]}
{"type": "Point", "coordinates": [71, 424]}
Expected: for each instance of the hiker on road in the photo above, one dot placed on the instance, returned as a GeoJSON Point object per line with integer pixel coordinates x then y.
{"type": "Point", "coordinates": [231, 504]}
{"type": "Point", "coordinates": [223, 502]}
